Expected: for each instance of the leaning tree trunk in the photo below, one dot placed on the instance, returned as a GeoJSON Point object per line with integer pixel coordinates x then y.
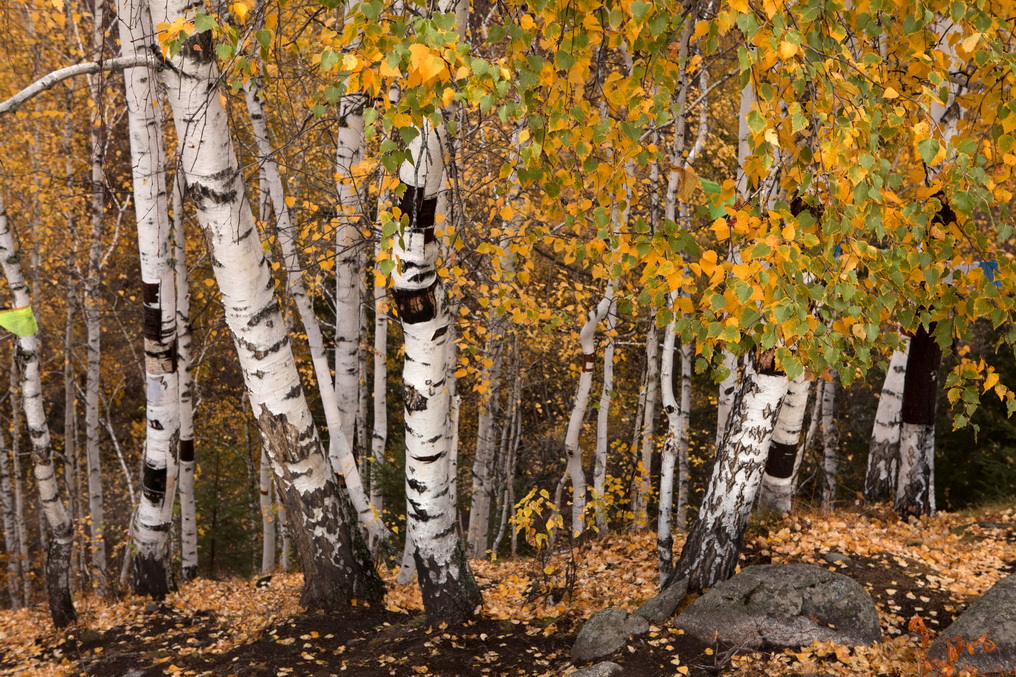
{"type": "Point", "coordinates": [20, 521]}
{"type": "Point", "coordinates": [152, 520]}
{"type": "Point", "coordinates": [884, 450]}
{"type": "Point", "coordinates": [915, 490]}
{"type": "Point", "coordinates": [725, 395]}
{"type": "Point", "coordinates": [710, 552]}
{"type": "Point", "coordinates": [188, 509]}
{"type": "Point", "coordinates": [339, 417]}
{"type": "Point", "coordinates": [449, 591]}
{"type": "Point", "coordinates": [777, 490]}
{"type": "Point", "coordinates": [61, 541]}
{"type": "Point", "coordinates": [337, 566]}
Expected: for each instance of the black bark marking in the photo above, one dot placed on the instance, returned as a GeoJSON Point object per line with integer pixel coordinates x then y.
{"type": "Point", "coordinates": [450, 593]}
{"type": "Point", "coordinates": [421, 210]}
{"type": "Point", "coordinates": [416, 485]}
{"type": "Point", "coordinates": [781, 460]}
{"type": "Point", "coordinates": [415, 401]}
{"type": "Point", "coordinates": [416, 305]}
{"type": "Point", "coordinates": [186, 451]}
{"type": "Point", "coordinates": [153, 483]}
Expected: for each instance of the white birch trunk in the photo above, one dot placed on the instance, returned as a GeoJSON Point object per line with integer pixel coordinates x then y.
{"type": "Point", "coordinates": [683, 426]}
{"type": "Point", "coordinates": [644, 485]}
{"type": "Point", "coordinates": [379, 430]}
{"type": "Point", "coordinates": [725, 395]}
{"type": "Point", "coordinates": [915, 489]}
{"type": "Point", "coordinates": [884, 450]}
{"type": "Point", "coordinates": [348, 154]}
{"type": "Point", "coordinates": [446, 581]}
{"type": "Point", "coordinates": [484, 484]}
{"type": "Point", "coordinates": [830, 444]}
{"type": "Point", "coordinates": [337, 566]}
{"type": "Point", "coordinates": [12, 548]}
{"type": "Point", "coordinates": [587, 341]}
{"type": "Point", "coordinates": [61, 541]}
{"type": "Point", "coordinates": [151, 546]}
{"type": "Point", "coordinates": [188, 509]}
{"type": "Point", "coordinates": [777, 491]}
{"type": "Point", "coordinates": [268, 528]}
{"type": "Point", "coordinates": [671, 407]}
{"type": "Point", "coordinates": [340, 451]}
{"type": "Point", "coordinates": [603, 415]}
{"type": "Point", "coordinates": [20, 521]}
{"type": "Point", "coordinates": [710, 552]}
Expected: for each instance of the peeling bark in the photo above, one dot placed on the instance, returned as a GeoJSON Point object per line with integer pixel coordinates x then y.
{"type": "Point", "coordinates": [883, 452]}
{"type": "Point", "coordinates": [785, 451]}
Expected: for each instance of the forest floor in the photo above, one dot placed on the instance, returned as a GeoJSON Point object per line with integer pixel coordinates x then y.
{"type": "Point", "coordinates": [533, 607]}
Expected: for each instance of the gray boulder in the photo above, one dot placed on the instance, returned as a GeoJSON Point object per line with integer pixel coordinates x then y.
{"type": "Point", "coordinates": [605, 632]}
{"type": "Point", "coordinates": [993, 614]}
{"type": "Point", "coordinates": [661, 607]}
{"type": "Point", "coordinates": [783, 606]}
{"type": "Point", "coordinates": [604, 669]}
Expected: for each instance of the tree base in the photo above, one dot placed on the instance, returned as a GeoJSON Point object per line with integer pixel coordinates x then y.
{"type": "Point", "coordinates": [150, 577]}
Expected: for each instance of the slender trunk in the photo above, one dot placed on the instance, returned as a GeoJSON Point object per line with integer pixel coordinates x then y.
{"type": "Point", "coordinates": [884, 450]}
{"type": "Point", "coordinates": [684, 425]}
{"type": "Point", "coordinates": [603, 420]}
{"type": "Point", "coordinates": [337, 566]}
{"type": "Point", "coordinates": [645, 485]}
{"type": "Point", "coordinates": [449, 591]}
{"type": "Point", "coordinates": [587, 340]}
{"type": "Point", "coordinates": [714, 541]}
{"type": "Point", "coordinates": [267, 516]}
{"type": "Point", "coordinates": [484, 481]}
{"type": "Point", "coordinates": [671, 407]}
{"type": "Point", "coordinates": [70, 450]}
{"type": "Point", "coordinates": [12, 547]}
{"type": "Point", "coordinates": [58, 556]}
{"type": "Point", "coordinates": [20, 521]}
{"type": "Point", "coordinates": [777, 491]}
{"type": "Point", "coordinates": [915, 489]}
{"type": "Point", "coordinates": [151, 544]}
{"type": "Point", "coordinates": [282, 520]}
{"type": "Point", "coordinates": [188, 508]}
{"type": "Point", "coordinates": [379, 431]}
{"type": "Point", "coordinates": [830, 443]}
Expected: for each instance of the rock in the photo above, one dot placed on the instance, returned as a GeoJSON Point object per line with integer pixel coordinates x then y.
{"type": "Point", "coordinates": [781, 606]}
{"type": "Point", "coordinates": [837, 558]}
{"type": "Point", "coordinates": [604, 669]}
{"type": "Point", "coordinates": [661, 607]}
{"type": "Point", "coordinates": [993, 614]}
{"type": "Point", "coordinates": [605, 632]}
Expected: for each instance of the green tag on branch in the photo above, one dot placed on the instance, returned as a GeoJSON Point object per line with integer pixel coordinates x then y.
{"type": "Point", "coordinates": [19, 321]}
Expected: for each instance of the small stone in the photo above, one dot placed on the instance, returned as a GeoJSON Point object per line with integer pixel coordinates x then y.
{"type": "Point", "coordinates": [606, 632]}
{"type": "Point", "coordinates": [604, 669]}
{"type": "Point", "coordinates": [837, 558]}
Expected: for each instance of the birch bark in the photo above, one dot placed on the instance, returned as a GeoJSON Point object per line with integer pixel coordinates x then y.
{"type": "Point", "coordinates": [830, 443]}
{"type": "Point", "coordinates": [449, 591]}
{"type": "Point", "coordinates": [884, 450]}
{"type": "Point", "coordinates": [777, 491]}
{"type": "Point", "coordinates": [151, 553]}
{"type": "Point", "coordinates": [61, 541]}
{"type": "Point", "coordinates": [337, 566]}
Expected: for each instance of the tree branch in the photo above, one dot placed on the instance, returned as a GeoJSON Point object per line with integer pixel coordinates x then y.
{"type": "Point", "coordinates": [87, 68]}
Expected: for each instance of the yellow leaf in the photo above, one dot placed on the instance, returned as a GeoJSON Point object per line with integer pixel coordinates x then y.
{"type": "Point", "coordinates": [240, 10]}
{"type": "Point", "coordinates": [890, 93]}
{"type": "Point", "coordinates": [721, 228]}
{"type": "Point", "coordinates": [290, 201]}
{"type": "Point", "coordinates": [970, 43]}
{"type": "Point", "coordinates": [788, 49]}
{"type": "Point", "coordinates": [425, 63]}
{"type": "Point", "coordinates": [990, 380]}
{"type": "Point", "coordinates": [772, 138]}
{"type": "Point", "coordinates": [507, 212]}
{"type": "Point", "coordinates": [701, 28]}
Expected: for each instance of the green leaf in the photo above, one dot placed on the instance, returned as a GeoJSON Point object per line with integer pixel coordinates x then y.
{"type": "Point", "coordinates": [328, 60]}
{"type": "Point", "coordinates": [928, 148]}
{"type": "Point", "coordinates": [203, 22]}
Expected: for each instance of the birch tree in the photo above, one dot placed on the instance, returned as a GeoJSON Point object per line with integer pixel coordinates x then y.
{"type": "Point", "coordinates": [883, 452]}
{"type": "Point", "coordinates": [785, 451]}
{"type": "Point", "coordinates": [336, 562]}
{"type": "Point", "coordinates": [61, 536]}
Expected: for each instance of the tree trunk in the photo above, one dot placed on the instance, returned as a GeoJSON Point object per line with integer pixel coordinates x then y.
{"type": "Point", "coordinates": [449, 591]}
{"type": "Point", "coordinates": [714, 542]}
{"type": "Point", "coordinates": [188, 508]}
{"type": "Point", "coordinates": [884, 450]}
{"type": "Point", "coordinates": [644, 485]}
{"type": "Point", "coordinates": [379, 428]}
{"type": "Point", "coordinates": [340, 421]}
{"type": "Point", "coordinates": [484, 485]}
{"type": "Point", "coordinates": [725, 396]}
{"type": "Point", "coordinates": [150, 544]}
{"type": "Point", "coordinates": [58, 556]}
{"type": "Point", "coordinates": [672, 409]}
{"type": "Point", "coordinates": [337, 566]}
{"type": "Point", "coordinates": [915, 489]}
{"type": "Point", "coordinates": [777, 491]}
{"type": "Point", "coordinates": [830, 443]}
{"type": "Point", "coordinates": [267, 515]}
{"type": "Point", "coordinates": [12, 547]}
